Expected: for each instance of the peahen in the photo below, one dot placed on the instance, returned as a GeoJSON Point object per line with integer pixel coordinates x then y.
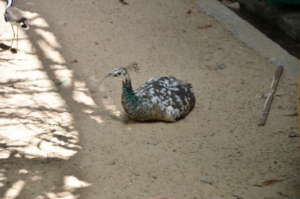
{"type": "Point", "coordinates": [15, 17]}
{"type": "Point", "coordinates": [159, 99]}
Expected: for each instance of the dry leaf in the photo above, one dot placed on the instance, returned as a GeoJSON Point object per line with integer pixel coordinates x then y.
{"type": "Point", "coordinates": [268, 182]}
{"type": "Point", "coordinates": [204, 26]}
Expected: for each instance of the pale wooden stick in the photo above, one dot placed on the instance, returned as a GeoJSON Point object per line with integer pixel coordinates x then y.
{"type": "Point", "coordinates": [267, 106]}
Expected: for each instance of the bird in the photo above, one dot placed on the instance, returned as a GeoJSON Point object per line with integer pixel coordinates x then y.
{"type": "Point", "coordinates": [162, 98]}
{"type": "Point", "coordinates": [15, 17]}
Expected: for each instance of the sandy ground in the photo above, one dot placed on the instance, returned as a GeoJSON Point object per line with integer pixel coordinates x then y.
{"type": "Point", "coordinates": [63, 135]}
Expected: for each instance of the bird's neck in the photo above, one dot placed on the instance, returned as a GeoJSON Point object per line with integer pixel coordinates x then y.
{"type": "Point", "coordinates": [128, 93]}
{"type": "Point", "coordinates": [9, 3]}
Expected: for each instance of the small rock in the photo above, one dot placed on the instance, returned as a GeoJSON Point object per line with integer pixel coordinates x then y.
{"type": "Point", "coordinates": [152, 142]}
{"type": "Point", "coordinates": [293, 134]}
{"type": "Point", "coordinates": [280, 107]}
{"type": "Point", "coordinates": [189, 11]}
{"type": "Point", "coordinates": [232, 5]}
{"type": "Point", "coordinates": [74, 61]}
{"type": "Point", "coordinates": [13, 50]}
{"type": "Point", "coordinates": [154, 177]}
{"type": "Point", "coordinates": [112, 162]}
{"type": "Point", "coordinates": [123, 2]}
{"type": "Point", "coordinates": [206, 181]}
{"type": "Point", "coordinates": [294, 114]}
{"type": "Point", "coordinates": [237, 196]}
{"type": "Point", "coordinates": [221, 66]}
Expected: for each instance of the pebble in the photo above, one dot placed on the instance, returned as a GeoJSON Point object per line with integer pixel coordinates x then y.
{"type": "Point", "coordinates": [293, 134]}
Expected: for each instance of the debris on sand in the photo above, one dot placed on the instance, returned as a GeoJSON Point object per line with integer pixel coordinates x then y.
{"type": "Point", "coordinates": [189, 12]}
{"type": "Point", "coordinates": [204, 27]}
{"type": "Point", "coordinates": [293, 134]}
{"type": "Point", "coordinates": [270, 96]}
{"type": "Point", "coordinates": [268, 182]}
{"type": "Point", "coordinates": [123, 2]}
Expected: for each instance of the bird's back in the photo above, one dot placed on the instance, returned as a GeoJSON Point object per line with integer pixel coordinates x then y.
{"type": "Point", "coordinates": [163, 98]}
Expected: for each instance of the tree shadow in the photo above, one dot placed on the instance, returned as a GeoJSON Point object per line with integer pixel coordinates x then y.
{"type": "Point", "coordinates": [40, 148]}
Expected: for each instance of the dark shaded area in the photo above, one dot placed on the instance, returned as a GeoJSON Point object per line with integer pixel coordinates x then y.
{"type": "Point", "coordinates": [43, 175]}
{"type": "Point", "coordinates": [272, 31]}
{"type": "Point", "coordinates": [19, 168]}
{"type": "Point", "coordinates": [262, 19]}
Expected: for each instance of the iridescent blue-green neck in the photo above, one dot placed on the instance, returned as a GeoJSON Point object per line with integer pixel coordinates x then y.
{"type": "Point", "coordinates": [128, 93]}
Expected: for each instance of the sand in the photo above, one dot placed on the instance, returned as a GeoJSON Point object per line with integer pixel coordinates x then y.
{"type": "Point", "coordinates": [63, 133]}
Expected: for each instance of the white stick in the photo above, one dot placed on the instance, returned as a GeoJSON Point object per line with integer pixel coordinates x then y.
{"type": "Point", "coordinates": [267, 106]}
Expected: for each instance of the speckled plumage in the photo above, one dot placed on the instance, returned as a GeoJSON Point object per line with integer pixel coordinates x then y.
{"type": "Point", "coordinates": [159, 99]}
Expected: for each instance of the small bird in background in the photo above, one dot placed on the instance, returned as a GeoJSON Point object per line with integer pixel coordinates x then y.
{"type": "Point", "coordinates": [159, 99]}
{"type": "Point", "coordinates": [15, 17]}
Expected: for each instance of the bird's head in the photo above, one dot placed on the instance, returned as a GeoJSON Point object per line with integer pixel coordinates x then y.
{"type": "Point", "coordinates": [123, 71]}
{"type": "Point", "coordinates": [117, 72]}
